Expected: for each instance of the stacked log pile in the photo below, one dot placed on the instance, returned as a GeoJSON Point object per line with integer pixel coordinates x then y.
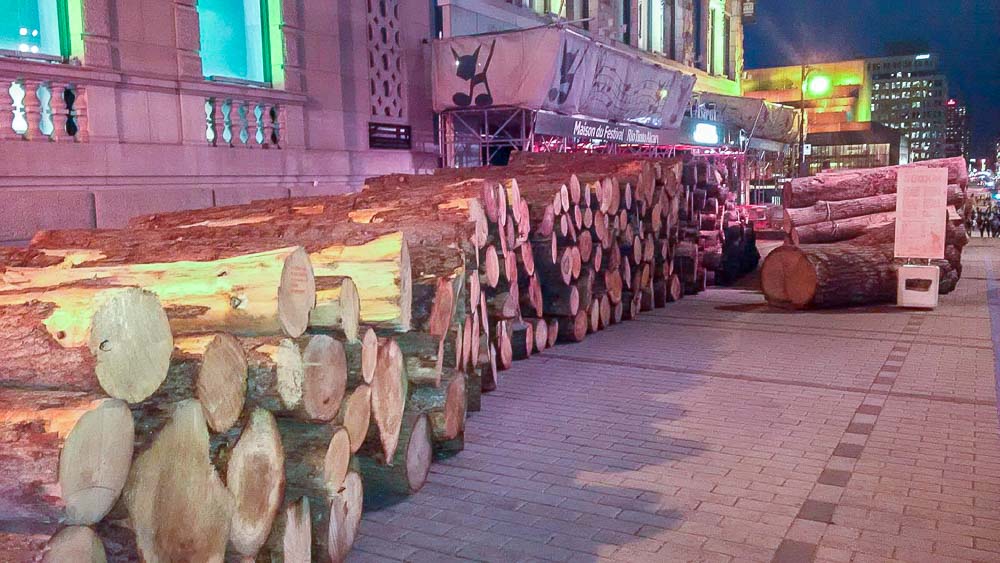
{"type": "Point", "coordinates": [719, 240]}
{"type": "Point", "coordinates": [238, 382]}
{"type": "Point", "coordinates": [841, 232]}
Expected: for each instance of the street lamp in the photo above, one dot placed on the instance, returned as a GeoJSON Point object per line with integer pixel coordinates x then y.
{"type": "Point", "coordinates": [817, 86]}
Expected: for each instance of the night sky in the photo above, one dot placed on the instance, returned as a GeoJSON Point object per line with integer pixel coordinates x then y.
{"type": "Point", "coordinates": [965, 33]}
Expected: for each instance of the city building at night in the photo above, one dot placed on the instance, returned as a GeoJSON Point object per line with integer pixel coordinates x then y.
{"type": "Point", "coordinates": [958, 135]}
{"type": "Point", "coordinates": [855, 145]}
{"type": "Point", "coordinates": [909, 94]}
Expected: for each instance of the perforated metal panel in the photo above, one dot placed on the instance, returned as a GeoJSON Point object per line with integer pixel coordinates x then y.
{"type": "Point", "coordinates": [385, 60]}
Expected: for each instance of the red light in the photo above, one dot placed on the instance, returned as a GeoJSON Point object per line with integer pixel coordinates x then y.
{"type": "Point", "coordinates": [952, 103]}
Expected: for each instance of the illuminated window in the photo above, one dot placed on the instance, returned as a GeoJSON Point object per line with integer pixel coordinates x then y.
{"type": "Point", "coordinates": [236, 38]}
{"type": "Point", "coordinates": [42, 27]}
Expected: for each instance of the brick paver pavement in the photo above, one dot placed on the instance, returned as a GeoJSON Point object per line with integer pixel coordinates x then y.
{"type": "Point", "coordinates": [718, 429]}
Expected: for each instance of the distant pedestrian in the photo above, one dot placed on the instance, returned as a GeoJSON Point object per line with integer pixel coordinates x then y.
{"type": "Point", "coordinates": [995, 225]}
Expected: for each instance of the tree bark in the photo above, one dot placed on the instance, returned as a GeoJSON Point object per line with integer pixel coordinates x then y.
{"type": "Point", "coordinates": [406, 472]}
{"type": "Point", "coordinates": [257, 294]}
{"type": "Point", "coordinates": [803, 192]}
{"type": "Point", "coordinates": [64, 456]}
{"type": "Point", "coordinates": [88, 339]}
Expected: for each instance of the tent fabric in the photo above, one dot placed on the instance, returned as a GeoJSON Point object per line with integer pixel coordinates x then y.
{"type": "Point", "coordinates": [557, 70]}
{"type": "Point", "coordinates": [775, 122]}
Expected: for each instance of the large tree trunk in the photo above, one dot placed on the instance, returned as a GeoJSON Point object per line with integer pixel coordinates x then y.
{"type": "Point", "coordinates": [64, 456]}
{"type": "Point", "coordinates": [264, 293]}
{"type": "Point", "coordinates": [82, 338]}
{"type": "Point", "coordinates": [177, 505]}
{"type": "Point", "coordinates": [855, 184]}
{"type": "Point", "coordinates": [339, 255]}
{"type": "Point", "coordinates": [844, 229]}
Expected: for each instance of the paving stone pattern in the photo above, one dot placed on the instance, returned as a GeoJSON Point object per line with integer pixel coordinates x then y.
{"type": "Point", "coordinates": [718, 429]}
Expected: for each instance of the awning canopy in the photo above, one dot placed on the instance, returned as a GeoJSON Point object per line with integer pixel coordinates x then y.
{"type": "Point", "coordinates": [559, 70]}
{"type": "Point", "coordinates": [760, 119]}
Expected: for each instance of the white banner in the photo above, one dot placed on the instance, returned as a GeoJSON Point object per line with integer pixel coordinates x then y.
{"type": "Point", "coordinates": [921, 212]}
{"type": "Point", "coordinates": [560, 71]}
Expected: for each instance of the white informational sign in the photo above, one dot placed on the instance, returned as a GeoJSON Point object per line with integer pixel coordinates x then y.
{"type": "Point", "coordinates": [807, 149]}
{"type": "Point", "coordinates": [921, 212]}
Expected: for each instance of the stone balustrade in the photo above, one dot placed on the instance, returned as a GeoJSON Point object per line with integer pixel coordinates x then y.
{"type": "Point", "coordinates": [41, 110]}
{"type": "Point", "coordinates": [233, 122]}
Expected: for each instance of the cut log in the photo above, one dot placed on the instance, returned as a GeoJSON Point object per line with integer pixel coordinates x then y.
{"type": "Point", "coordinates": [317, 457]}
{"type": "Point", "coordinates": [290, 540]}
{"type": "Point", "coordinates": [406, 472]}
{"type": "Point", "coordinates": [345, 509]}
{"type": "Point", "coordinates": [574, 329]}
{"type": "Point", "coordinates": [303, 378]}
{"type": "Point", "coordinates": [75, 543]}
{"type": "Point", "coordinates": [445, 408]}
{"type": "Point", "coordinates": [424, 357]}
{"type": "Point", "coordinates": [64, 456]}
{"type": "Point", "coordinates": [355, 415]}
{"type": "Point", "coordinates": [823, 211]}
{"type": "Point", "coordinates": [341, 254]}
{"type": "Point", "coordinates": [389, 392]}
{"type": "Point", "coordinates": [255, 475]}
{"type": "Point", "coordinates": [829, 275]}
{"type": "Point", "coordinates": [835, 231]}
{"type": "Point", "coordinates": [177, 505]}
{"type": "Point", "coordinates": [855, 184]}
{"type": "Point", "coordinates": [257, 294]}
{"type": "Point", "coordinates": [522, 340]}
{"type": "Point", "coordinates": [221, 381]}
{"type": "Point", "coordinates": [82, 338]}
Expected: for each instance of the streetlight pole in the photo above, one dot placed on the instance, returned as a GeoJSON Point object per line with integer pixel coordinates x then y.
{"type": "Point", "coordinates": [802, 124]}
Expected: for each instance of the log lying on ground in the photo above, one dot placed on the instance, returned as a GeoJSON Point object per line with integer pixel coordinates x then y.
{"type": "Point", "coordinates": [841, 274]}
{"type": "Point", "coordinates": [856, 184]}
{"type": "Point", "coordinates": [177, 505]}
{"type": "Point", "coordinates": [264, 293]}
{"type": "Point", "coordinates": [84, 338]}
{"type": "Point", "coordinates": [406, 472]}
{"type": "Point", "coordinates": [829, 275]}
{"type": "Point", "coordinates": [255, 475]}
{"type": "Point", "coordinates": [64, 456]}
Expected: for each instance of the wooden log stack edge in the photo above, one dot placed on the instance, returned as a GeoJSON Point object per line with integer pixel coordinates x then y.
{"type": "Point", "coordinates": [290, 362]}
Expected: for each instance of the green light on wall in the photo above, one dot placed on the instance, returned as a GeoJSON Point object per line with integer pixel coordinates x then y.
{"type": "Point", "coordinates": [818, 85]}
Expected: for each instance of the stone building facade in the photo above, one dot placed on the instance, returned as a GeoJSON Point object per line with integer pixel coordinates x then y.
{"type": "Point", "coordinates": [112, 108]}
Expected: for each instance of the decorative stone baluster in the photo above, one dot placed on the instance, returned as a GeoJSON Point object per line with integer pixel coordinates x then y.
{"type": "Point", "coordinates": [73, 121]}
{"type": "Point", "coordinates": [259, 125]}
{"type": "Point", "coordinates": [6, 112]}
{"type": "Point", "coordinates": [227, 122]}
{"type": "Point", "coordinates": [244, 123]}
{"type": "Point", "coordinates": [46, 125]}
{"type": "Point", "coordinates": [275, 114]}
{"type": "Point", "coordinates": [18, 95]}
{"type": "Point", "coordinates": [211, 125]}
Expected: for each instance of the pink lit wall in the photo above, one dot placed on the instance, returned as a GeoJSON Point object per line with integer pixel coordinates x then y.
{"type": "Point", "coordinates": [141, 110]}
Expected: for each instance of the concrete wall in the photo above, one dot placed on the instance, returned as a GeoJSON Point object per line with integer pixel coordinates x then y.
{"type": "Point", "coordinates": [142, 146]}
